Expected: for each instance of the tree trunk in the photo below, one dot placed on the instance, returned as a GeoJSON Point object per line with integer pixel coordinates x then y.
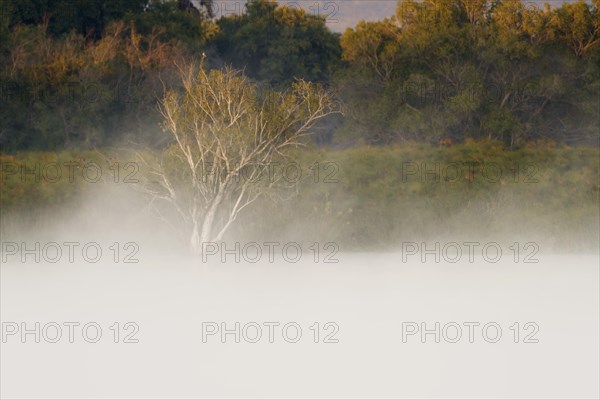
{"type": "Point", "coordinates": [199, 237]}
{"type": "Point", "coordinates": [207, 224]}
{"type": "Point", "coordinates": [195, 241]}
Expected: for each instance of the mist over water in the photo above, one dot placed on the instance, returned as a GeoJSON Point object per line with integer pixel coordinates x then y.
{"type": "Point", "coordinates": [372, 310]}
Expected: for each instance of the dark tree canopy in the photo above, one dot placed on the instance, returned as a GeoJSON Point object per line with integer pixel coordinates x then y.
{"type": "Point", "coordinates": [278, 44]}
{"type": "Point", "coordinates": [90, 17]}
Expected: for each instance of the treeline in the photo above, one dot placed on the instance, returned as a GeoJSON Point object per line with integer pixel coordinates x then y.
{"type": "Point", "coordinates": [84, 74]}
{"type": "Point", "coordinates": [475, 69]}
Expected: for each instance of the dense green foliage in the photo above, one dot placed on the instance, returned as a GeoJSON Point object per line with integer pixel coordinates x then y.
{"type": "Point", "coordinates": [91, 17]}
{"type": "Point", "coordinates": [83, 74]}
{"type": "Point", "coordinates": [278, 44]}
{"type": "Point", "coordinates": [474, 68]}
{"type": "Point", "coordinates": [65, 92]}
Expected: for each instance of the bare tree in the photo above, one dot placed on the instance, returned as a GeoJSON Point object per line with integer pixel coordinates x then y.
{"type": "Point", "coordinates": [226, 134]}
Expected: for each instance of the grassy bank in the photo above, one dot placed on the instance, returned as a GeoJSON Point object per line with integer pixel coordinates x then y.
{"type": "Point", "coordinates": [373, 198]}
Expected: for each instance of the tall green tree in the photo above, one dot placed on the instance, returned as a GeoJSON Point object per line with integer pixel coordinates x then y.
{"type": "Point", "coordinates": [277, 43]}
